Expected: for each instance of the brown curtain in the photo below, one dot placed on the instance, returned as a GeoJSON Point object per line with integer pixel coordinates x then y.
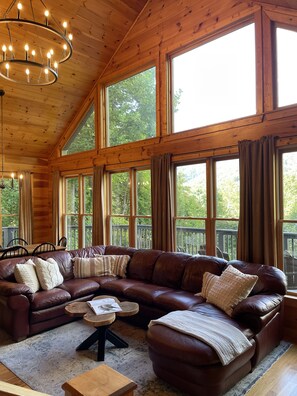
{"type": "Point", "coordinates": [25, 208]}
{"type": "Point", "coordinates": [56, 207]}
{"type": "Point", "coordinates": [162, 213]}
{"type": "Point", "coordinates": [257, 222]}
{"type": "Point", "coordinates": [98, 206]}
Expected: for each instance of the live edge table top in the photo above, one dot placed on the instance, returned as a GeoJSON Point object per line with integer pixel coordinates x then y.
{"type": "Point", "coordinates": [81, 309]}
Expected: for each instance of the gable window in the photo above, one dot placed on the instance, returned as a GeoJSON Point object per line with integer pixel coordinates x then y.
{"type": "Point", "coordinates": [9, 218]}
{"type": "Point", "coordinates": [286, 64]}
{"type": "Point", "coordinates": [129, 220]}
{"type": "Point", "coordinates": [83, 138]}
{"type": "Point", "coordinates": [78, 211]}
{"type": "Point", "coordinates": [216, 81]}
{"type": "Point", "coordinates": [131, 108]}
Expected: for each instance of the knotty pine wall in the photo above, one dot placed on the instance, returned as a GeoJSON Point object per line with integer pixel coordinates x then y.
{"type": "Point", "coordinates": [162, 28]}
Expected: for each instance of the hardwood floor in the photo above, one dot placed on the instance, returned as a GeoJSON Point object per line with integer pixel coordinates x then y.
{"type": "Point", "coordinates": [280, 380]}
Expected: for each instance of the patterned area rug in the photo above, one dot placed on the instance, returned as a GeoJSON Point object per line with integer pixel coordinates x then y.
{"type": "Point", "coordinates": [47, 360]}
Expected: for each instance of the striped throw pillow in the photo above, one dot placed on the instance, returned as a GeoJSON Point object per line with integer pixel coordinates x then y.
{"type": "Point", "coordinates": [114, 265]}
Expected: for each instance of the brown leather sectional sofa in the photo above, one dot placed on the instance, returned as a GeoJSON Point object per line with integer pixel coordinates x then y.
{"type": "Point", "coordinates": [160, 282]}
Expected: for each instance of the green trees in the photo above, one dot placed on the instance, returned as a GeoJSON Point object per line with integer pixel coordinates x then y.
{"type": "Point", "coordinates": [132, 108]}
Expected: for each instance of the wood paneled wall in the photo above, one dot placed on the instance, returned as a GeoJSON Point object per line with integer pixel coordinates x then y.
{"type": "Point", "coordinates": [162, 28]}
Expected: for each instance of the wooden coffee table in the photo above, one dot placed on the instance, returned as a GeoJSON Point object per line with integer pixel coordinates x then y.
{"type": "Point", "coordinates": [101, 323]}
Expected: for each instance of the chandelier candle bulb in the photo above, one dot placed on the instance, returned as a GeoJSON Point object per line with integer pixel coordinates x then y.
{"type": "Point", "coordinates": [46, 13]}
{"type": "Point", "coordinates": [11, 51]}
{"type": "Point", "coordinates": [7, 69]}
{"type": "Point", "coordinates": [19, 9]}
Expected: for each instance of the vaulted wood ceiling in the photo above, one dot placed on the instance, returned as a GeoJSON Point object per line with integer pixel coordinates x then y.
{"type": "Point", "coordinates": [36, 117]}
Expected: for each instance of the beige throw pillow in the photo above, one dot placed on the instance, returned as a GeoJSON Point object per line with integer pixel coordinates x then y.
{"type": "Point", "coordinates": [208, 281]}
{"type": "Point", "coordinates": [230, 288]}
{"type": "Point", "coordinates": [48, 273]}
{"type": "Point", "coordinates": [114, 265]}
{"type": "Point", "coordinates": [25, 273]}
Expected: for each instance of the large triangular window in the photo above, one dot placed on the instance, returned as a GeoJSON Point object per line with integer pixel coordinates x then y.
{"type": "Point", "coordinates": [83, 138]}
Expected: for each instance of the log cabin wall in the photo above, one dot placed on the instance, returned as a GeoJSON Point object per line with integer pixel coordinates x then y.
{"type": "Point", "coordinates": [162, 28]}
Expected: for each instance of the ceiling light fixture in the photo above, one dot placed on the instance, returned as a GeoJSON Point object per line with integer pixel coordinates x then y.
{"type": "Point", "coordinates": [12, 174]}
{"type": "Point", "coordinates": [33, 44]}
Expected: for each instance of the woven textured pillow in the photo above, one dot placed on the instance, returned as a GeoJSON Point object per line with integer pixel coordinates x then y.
{"type": "Point", "coordinates": [208, 281]}
{"type": "Point", "coordinates": [48, 273]}
{"type": "Point", "coordinates": [230, 288]}
{"type": "Point", "coordinates": [114, 265]}
{"type": "Point", "coordinates": [25, 273]}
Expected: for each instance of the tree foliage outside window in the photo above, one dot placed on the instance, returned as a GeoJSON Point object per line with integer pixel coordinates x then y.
{"type": "Point", "coordinates": [9, 198]}
{"type": "Point", "coordinates": [131, 108]}
{"type": "Point", "coordinates": [83, 138]}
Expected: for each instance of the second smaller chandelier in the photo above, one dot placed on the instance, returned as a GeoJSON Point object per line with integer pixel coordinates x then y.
{"type": "Point", "coordinates": [34, 44]}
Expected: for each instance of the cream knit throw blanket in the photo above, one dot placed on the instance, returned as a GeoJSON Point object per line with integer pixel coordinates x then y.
{"type": "Point", "coordinates": [225, 339]}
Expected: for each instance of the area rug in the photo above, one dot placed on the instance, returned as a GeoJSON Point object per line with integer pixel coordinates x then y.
{"type": "Point", "coordinates": [47, 360]}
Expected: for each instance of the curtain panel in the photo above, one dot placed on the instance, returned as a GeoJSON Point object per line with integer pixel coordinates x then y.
{"type": "Point", "coordinates": [25, 208]}
{"type": "Point", "coordinates": [162, 212]}
{"type": "Point", "coordinates": [98, 206]}
{"type": "Point", "coordinates": [257, 219]}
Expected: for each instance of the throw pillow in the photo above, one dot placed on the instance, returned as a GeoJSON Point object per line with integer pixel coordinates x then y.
{"type": "Point", "coordinates": [230, 288]}
{"type": "Point", "coordinates": [100, 265]}
{"type": "Point", "coordinates": [48, 273]}
{"type": "Point", "coordinates": [208, 281]}
{"type": "Point", "coordinates": [25, 273]}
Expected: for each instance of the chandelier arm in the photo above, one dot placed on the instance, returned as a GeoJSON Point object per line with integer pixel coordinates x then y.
{"type": "Point", "coordinates": [2, 93]}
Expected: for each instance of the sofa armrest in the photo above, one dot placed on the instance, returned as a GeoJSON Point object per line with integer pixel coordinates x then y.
{"type": "Point", "coordinates": [259, 305]}
{"type": "Point", "coordinates": [12, 289]}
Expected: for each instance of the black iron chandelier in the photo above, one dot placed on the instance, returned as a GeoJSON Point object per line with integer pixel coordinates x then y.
{"type": "Point", "coordinates": [34, 44]}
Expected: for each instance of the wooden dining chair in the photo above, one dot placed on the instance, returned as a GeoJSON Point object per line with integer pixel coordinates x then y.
{"type": "Point", "coordinates": [17, 241]}
{"type": "Point", "coordinates": [44, 247]}
{"type": "Point", "coordinates": [62, 241]}
{"type": "Point", "coordinates": [14, 251]}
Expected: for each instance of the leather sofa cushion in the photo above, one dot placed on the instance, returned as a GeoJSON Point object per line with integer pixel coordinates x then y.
{"type": "Point", "coordinates": [169, 268]}
{"type": "Point", "coordinates": [117, 286]}
{"type": "Point", "coordinates": [177, 300]}
{"type": "Point", "coordinates": [196, 266]}
{"type": "Point", "coordinates": [49, 298]}
{"type": "Point", "coordinates": [142, 264]}
{"type": "Point", "coordinates": [79, 287]}
{"type": "Point", "coordinates": [145, 293]}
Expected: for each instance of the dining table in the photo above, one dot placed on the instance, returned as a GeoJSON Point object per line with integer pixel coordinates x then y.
{"type": "Point", "coordinates": [30, 248]}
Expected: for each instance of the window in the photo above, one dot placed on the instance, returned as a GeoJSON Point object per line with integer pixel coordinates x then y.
{"type": "Point", "coordinates": [286, 60]}
{"type": "Point", "coordinates": [215, 82]}
{"type": "Point", "coordinates": [226, 207]}
{"type": "Point", "coordinates": [9, 201]}
{"type": "Point", "coordinates": [191, 208]}
{"type": "Point", "coordinates": [83, 138]}
{"type": "Point", "coordinates": [288, 216]}
{"type": "Point", "coordinates": [130, 208]}
{"type": "Point", "coordinates": [78, 211]}
{"type": "Point", "coordinates": [207, 219]}
{"type": "Point", "coordinates": [131, 108]}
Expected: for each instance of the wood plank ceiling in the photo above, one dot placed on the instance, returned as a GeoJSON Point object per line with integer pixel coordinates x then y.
{"type": "Point", "coordinates": [36, 117]}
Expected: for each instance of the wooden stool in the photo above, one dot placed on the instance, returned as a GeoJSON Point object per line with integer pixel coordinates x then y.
{"type": "Point", "coordinates": [101, 381]}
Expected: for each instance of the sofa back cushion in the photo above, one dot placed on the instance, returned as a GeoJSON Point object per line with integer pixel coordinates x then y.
{"type": "Point", "coordinates": [142, 264]}
{"type": "Point", "coordinates": [270, 279]}
{"type": "Point", "coordinates": [169, 268]}
{"type": "Point", "coordinates": [196, 266]}
{"type": "Point", "coordinates": [90, 251]}
{"type": "Point", "coordinates": [119, 250]}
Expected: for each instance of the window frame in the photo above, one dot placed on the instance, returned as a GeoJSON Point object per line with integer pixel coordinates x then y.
{"type": "Point", "coordinates": [81, 206]}
{"type": "Point", "coordinates": [105, 107]}
{"type": "Point", "coordinates": [211, 215]}
{"type": "Point", "coordinates": [133, 216]}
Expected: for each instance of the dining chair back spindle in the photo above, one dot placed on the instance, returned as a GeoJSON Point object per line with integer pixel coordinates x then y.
{"type": "Point", "coordinates": [17, 241]}
{"type": "Point", "coordinates": [44, 247]}
{"type": "Point", "coordinates": [14, 251]}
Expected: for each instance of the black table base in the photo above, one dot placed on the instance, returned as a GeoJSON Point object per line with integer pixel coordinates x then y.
{"type": "Point", "coordinates": [102, 334]}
